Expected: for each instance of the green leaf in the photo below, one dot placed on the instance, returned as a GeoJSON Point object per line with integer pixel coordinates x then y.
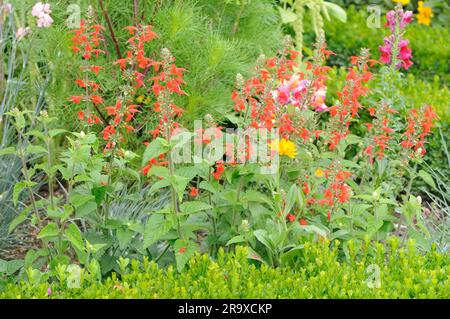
{"type": "Point", "coordinates": [73, 234]}
{"type": "Point", "coordinates": [235, 240]}
{"type": "Point", "coordinates": [154, 149]}
{"type": "Point", "coordinates": [51, 230]}
{"type": "Point", "coordinates": [78, 199]}
{"type": "Point", "coordinates": [19, 187]}
{"type": "Point", "coordinates": [86, 209]}
{"type": "Point", "coordinates": [36, 149]}
{"type": "Point", "coordinates": [19, 219]}
{"type": "Point", "coordinates": [294, 196]}
{"type": "Point", "coordinates": [156, 227]}
{"type": "Point", "coordinates": [84, 204]}
{"type": "Point", "coordinates": [427, 178]}
{"type": "Point", "coordinates": [124, 236]}
{"type": "Point", "coordinates": [255, 256]}
{"type": "Point", "coordinates": [13, 266]}
{"type": "Point", "coordinates": [159, 171]}
{"type": "Point", "coordinates": [3, 266]}
{"type": "Point", "coordinates": [99, 193]}
{"type": "Point", "coordinates": [56, 131]}
{"type": "Point", "coordinates": [184, 250]}
{"type": "Point", "coordinates": [207, 186]}
{"type": "Point", "coordinates": [336, 11]}
{"type": "Point", "coordinates": [193, 207]}
{"type": "Point", "coordinates": [262, 236]}
{"type": "Point", "coordinates": [339, 234]}
{"type": "Point", "coordinates": [313, 229]}
{"type": "Point", "coordinates": [287, 16]}
{"type": "Point", "coordinates": [36, 133]}
{"type": "Point", "coordinates": [179, 183]}
{"type": "Point", "coordinates": [158, 185]}
{"type": "Point", "coordinates": [8, 151]}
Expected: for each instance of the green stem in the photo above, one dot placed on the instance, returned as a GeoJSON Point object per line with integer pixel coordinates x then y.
{"type": "Point", "coordinates": [238, 195]}
{"type": "Point", "coordinates": [21, 154]}
{"type": "Point", "coordinates": [49, 167]}
{"type": "Point", "coordinates": [238, 19]}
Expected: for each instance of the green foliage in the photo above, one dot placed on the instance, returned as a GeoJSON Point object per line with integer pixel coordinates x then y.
{"type": "Point", "coordinates": [429, 44]}
{"type": "Point", "coordinates": [440, 8]}
{"type": "Point", "coordinates": [318, 272]}
{"type": "Point", "coordinates": [293, 13]}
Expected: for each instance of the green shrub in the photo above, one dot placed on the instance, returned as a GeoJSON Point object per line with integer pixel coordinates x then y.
{"type": "Point", "coordinates": [415, 90]}
{"type": "Point", "coordinates": [429, 44]}
{"type": "Point", "coordinates": [440, 8]}
{"type": "Point", "coordinates": [319, 273]}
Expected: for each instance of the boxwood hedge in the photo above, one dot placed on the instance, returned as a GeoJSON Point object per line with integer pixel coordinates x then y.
{"type": "Point", "coordinates": [318, 271]}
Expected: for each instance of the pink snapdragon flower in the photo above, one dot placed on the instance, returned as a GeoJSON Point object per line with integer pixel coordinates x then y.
{"type": "Point", "coordinates": [293, 91]}
{"type": "Point", "coordinates": [290, 92]}
{"type": "Point", "coordinates": [404, 54]}
{"type": "Point", "coordinates": [393, 16]}
{"type": "Point", "coordinates": [319, 99]}
{"type": "Point", "coordinates": [42, 12]}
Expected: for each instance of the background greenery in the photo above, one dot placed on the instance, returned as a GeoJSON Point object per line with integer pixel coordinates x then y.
{"type": "Point", "coordinates": [402, 273]}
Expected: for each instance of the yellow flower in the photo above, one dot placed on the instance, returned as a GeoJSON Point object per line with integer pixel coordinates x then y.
{"type": "Point", "coordinates": [425, 14]}
{"type": "Point", "coordinates": [403, 2]}
{"type": "Point", "coordinates": [284, 147]}
{"type": "Point", "coordinates": [318, 172]}
{"type": "Point", "coordinates": [140, 98]}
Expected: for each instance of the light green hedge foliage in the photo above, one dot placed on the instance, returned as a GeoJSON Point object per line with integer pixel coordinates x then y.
{"type": "Point", "coordinates": [317, 273]}
{"type": "Point", "coordinates": [416, 91]}
{"type": "Point", "coordinates": [429, 45]}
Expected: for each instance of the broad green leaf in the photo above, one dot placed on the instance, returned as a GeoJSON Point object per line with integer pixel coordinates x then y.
{"type": "Point", "coordinates": [124, 236]}
{"type": "Point", "coordinates": [255, 256]}
{"type": "Point", "coordinates": [86, 209]}
{"type": "Point", "coordinates": [184, 250]}
{"type": "Point", "coordinates": [156, 227]}
{"type": "Point", "coordinates": [99, 193]}
{"type": "Point", "coordinates": [51, 230]}
{"type": "Point", "coordinates": [235, 240]}
{"type": "Point", "coordinates": [73, 234]}
{"type": "Point", "coordinates": [427, 178]}
{"type": "Point", "coordinates": [159, 171]}
{"type": "Point", "coordinates": [158, 185]}
{"type": "Point", "coordinates": [36, 133]}
{"type": "Point", "coordinates": [294, 196]}
{"type": "Point", "coordinates": [262, 236]}
{"type": "Point", "coordinates": [193, 207]}
{"type": "Point", "coordinates": [207, 186]}
{"type": "Point", "coordinates": [36, 149]}
{"type": "Point", "coordinates": [19, 187]}
{"type": "Point", "coordinates": [78, 199]}
{"type": "Point", "coordinates": [13, 266]}
{"type": "Point", "coordinates": [336, 11]}
{"type": "Point", "coordinates": [3, 266]}
{"type": "Point", "coordinates": [179, 183]}
{"type": "Point", "coordinates": [157, 147]}
{"type": "Point", "coordinates": [19, 219]}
